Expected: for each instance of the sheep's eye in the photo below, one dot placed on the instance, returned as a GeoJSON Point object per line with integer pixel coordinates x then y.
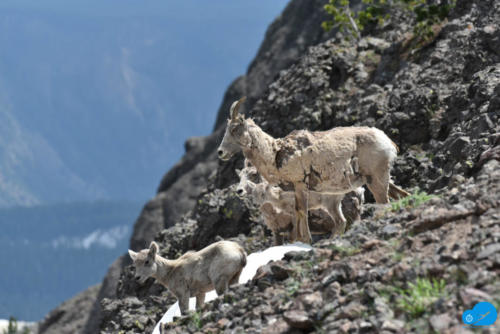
{"type": "Point", "coordinates": [237, 129]}
{"type": "Point", "coordinates": [147, 262]}
{"type": "Point", "coordinates": [254, 177]}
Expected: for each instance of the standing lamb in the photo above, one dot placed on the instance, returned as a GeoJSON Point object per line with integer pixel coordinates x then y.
{"type": "Point", "coordinates": [194, 273]}
{"type": "Point", "coordinates": [318, 161]}
{"type": "Point", "coordinates": [277, 206]}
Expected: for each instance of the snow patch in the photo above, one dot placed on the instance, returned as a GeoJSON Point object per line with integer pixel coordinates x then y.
{"type": "Point", "coordinates": [4, 325]}
{"type": "Point", "coordinates": [254, 261]}
{"type": "Point", "coordinates": [107, 239]}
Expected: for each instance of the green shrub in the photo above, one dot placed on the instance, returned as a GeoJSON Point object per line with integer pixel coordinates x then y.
{"type": "Point", "coordinates": [292, 286]}
{"type": "Point", "coordinates": [196, 319]}
{"type": "Point", "coordinates": [415, 300]}
{"type": "Point", "coordinates": [412, 201]}
{"type": "Point", "coordinates": [345, 250]}
{"type": "Point", "coordinates": [376, 12]}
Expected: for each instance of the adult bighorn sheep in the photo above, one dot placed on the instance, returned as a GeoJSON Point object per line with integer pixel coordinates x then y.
{"type": "Point", "coordinates": [315, 161]}
{"type": "Point", "coordinates": [277, 206]}
{"type": "Point", "coordinates": [194, 273]}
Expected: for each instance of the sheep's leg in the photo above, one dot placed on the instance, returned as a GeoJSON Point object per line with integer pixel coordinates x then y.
{"type": "Point", "coordinates": [329, 202]}
{"type": "Point", "coordinates": [278, 238]}
{"type": "Point", "coordinates": [235, 278]}
{"type": "Point", "coordinates": [301, 206]}
{"type": "Point", "coordinates": [379, 186]}
{"type": "Point", "coordinates": [270, 217]}
{"type": "Point", "coordinates": [335, 209]}
{"type": "Point", "coordinates": [293, 234]}
{"type": "Point", "coordinates": [221, 285]}
{"type": "Point", "coordinates": [200, 299]}
{"type": "Point", "coordinates": [183, 303]}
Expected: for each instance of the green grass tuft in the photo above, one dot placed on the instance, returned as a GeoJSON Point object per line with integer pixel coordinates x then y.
{"type": "Point", "coordinates": [196, 319]}
{"type": "Point", "coordinates": [376, 12]}
{"type": "Point", "coordinates": [345, 250]}
{"type": "Point", "coordinates": [414, 200]}
{"type": "Point", "coordinates": [415, 300]}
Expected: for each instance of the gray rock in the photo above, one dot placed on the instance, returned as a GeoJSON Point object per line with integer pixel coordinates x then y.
{"type": "Point", "coordinates": [458, 146]}
{"type": "Point", "coordinates": [440, 323]}
{"type": "Point", "coordinates": [393, 325]}
{"type": "Point", "coordinates": [352, 311]}
{"type": "Point", "coordinates": [488, 251]}
{"type": "Point", "coordinates": [107, 290]}
{"type": "Point", "coordinates": [71, 316]}
{"type": "Point", "coordinates": [391, 231]}
{"type": "Point", "coordinates": [298, 319]}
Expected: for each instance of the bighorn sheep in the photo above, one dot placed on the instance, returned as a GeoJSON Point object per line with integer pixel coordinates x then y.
{"type": "Point", "coordinates": [277, 206]}
{"type": "Point", "coordinates": [314, 161]}
{"type": "Point", "coordinates": [194, 273]}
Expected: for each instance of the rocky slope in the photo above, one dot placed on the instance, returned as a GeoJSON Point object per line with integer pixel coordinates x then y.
{"type": "Point", "coordinates": [438, 100]}
{"type": "Point", "coordinates": [65, 319]}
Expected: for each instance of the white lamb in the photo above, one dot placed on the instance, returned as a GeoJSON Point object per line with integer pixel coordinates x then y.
{"type": "Point", "coordinates": [277, 206]}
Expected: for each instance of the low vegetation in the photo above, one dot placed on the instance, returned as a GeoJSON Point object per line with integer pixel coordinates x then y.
{"type": "Point", "coordinates": [414, 200]}
{"type": "Point", "coordinates": [196, 319]}
{"type": "Point", "coordinates": [425, 13]}
{"type": "Point", "coordinates": [345, 250]}
{"type": "Point", "coordinates": [416, 299]}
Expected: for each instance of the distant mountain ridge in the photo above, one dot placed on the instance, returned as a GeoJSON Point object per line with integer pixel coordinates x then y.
{"type": "Point", "coordinates": [51, 252]}
{"type": "Point", "coordinates": [93, 94]}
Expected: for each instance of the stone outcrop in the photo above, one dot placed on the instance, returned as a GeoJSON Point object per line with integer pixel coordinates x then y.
{"type": "Point", "coordinates": [72, 315]}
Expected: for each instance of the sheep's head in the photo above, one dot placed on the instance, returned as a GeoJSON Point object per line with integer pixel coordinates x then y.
{"type": "Point", "coordinates": [249, 177]}
{"type": "Point", "coordinates": [236, 136]}
{"type": "Point", "coordinates": [144, 262]}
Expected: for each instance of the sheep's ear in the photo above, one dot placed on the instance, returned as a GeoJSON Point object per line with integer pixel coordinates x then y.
{"type": "Point", "coordinates": [132, 254]}
{"type": "Point", "coordinates": [153, 249]}
{"type": "Point", "coordinates": [234, 108]}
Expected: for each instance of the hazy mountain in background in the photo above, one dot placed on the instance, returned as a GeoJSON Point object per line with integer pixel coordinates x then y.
{"type": "Point", "coordinates": [98, 97]}
{"type": "Point", "coordinates": [51, 252]}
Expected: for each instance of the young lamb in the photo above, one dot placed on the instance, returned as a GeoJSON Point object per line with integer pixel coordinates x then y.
{"type": "Point", "coordinates": [315, 161]}
{"type": "Point", "coordinates": [194, 273]}
{"type": "Point", "coordinates": [277, 206]}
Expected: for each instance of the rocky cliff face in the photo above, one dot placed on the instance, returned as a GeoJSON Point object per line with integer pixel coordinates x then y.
{"type": "Point", "coordinates": [72, 315]}
{"type": "Point", "coordinates": [439, 101]}
{"type": "Point", "coordinates": [286, 39]}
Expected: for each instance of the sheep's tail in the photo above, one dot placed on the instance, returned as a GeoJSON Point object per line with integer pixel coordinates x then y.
{"type": "Point", "coordinates": [397, 193]}
{"type": "Point", "coordinates": [243, 257]}
{"type": "Point", "coordinates": [395, 146]}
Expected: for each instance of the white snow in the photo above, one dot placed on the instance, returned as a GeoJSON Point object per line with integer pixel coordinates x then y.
{"type": "Point", "coordinates": [254, 261]}
{"type": "Point", "coordinates": [107, 238]}
{"type": "Point", "coordinates": [4, 325]}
